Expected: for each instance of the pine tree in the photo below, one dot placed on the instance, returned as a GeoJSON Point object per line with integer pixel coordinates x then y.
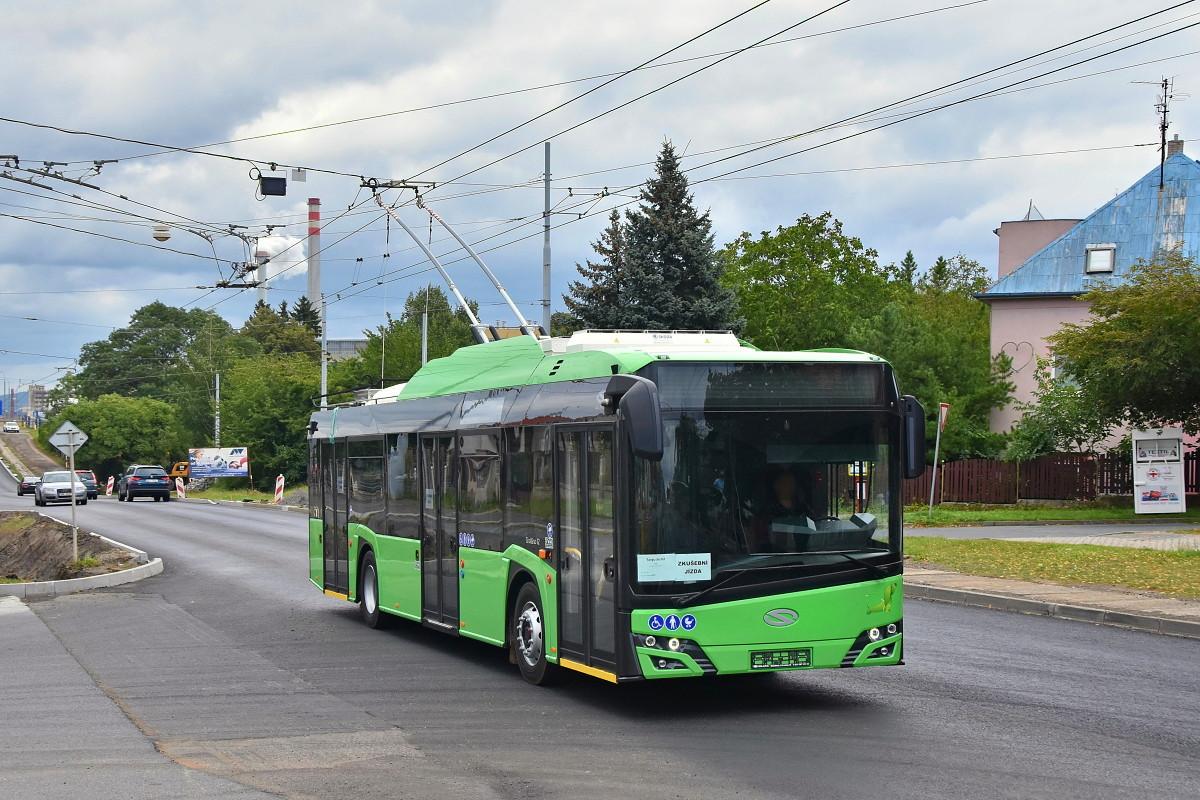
{"type": "Point", "coordinates": [672, 275]}
{"type": "Point", "coordinates": [283, 310]}
{"type": "Point", "coordinates": [595, 302]}
{"type": "Point", "coordinates": [906, 273]}
{"type": "Point", "coordinates": [306, 314]}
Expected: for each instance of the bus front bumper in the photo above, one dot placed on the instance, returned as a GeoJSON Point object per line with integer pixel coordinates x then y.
{"type": "Point", "coordinates": [692, 660]}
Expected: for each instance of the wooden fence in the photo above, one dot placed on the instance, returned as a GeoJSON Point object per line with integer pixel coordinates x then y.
{"type": "Point", "coordinates": [1060, 476]}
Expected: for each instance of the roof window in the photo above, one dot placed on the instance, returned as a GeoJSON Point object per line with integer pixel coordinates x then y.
{"type": "Point", "coordinates": [1100, 258]}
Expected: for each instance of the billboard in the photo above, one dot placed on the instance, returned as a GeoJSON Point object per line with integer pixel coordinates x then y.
{"type": "Point", "coordinates": [219, 462]}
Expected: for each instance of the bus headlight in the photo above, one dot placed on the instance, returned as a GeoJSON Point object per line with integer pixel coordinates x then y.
{"type": "Point", "coordinates": [673, 644]}
{"type": "Point", "coordinates": [891, 628]}
{"type": "Point", "coordinates": [874, 635]}
{"type": "Point", "coordinates": [651, 641]}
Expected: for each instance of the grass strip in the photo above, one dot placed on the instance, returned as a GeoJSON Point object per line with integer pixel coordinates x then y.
{"type": "Point", "coordinates": [1173, 573]}
{"type": "Point", "coordinates": [949, 516]}
{"type": "Point", "coordinates": [223, 493]}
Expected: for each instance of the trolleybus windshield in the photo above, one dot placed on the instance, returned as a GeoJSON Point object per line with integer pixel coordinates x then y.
{"type": "Point", "coordinates": [743, 488]}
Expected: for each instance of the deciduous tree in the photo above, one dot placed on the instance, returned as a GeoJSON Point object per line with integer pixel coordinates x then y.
{"type": "Point", "coordinates": [1137, 353]}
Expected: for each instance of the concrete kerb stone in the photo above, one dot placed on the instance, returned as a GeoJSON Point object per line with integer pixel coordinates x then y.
{"type": "Point", "coordinates": [914, 530]}
{"type": "Point", "coordinates": [1021, 605]}
{"type": "Point", "coordinates": [251, 504]}
{"type": "Point", "coordinates": [45, 589]}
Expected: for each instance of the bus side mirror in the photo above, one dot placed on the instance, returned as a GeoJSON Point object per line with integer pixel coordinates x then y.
{"type": "Point", "coordinates": [914, 436]}
{"type": "Point", "coordinates": [635, 400]}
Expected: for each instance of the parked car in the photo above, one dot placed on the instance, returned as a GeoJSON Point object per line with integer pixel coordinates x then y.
{"type": "Point", "coordinates": [89, 480]}
{"type": "Point", "coordinates": [144, 480]}
{"type": "Point", "coordinates": [55, 487]}
{"type": "Point", "coordinates": [27, 485]}
{"type": "Point", "coordinates": [11, 427]}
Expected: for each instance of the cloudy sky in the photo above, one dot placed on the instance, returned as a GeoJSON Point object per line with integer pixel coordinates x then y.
{"type": "Point", "coordinates": [190, 75]}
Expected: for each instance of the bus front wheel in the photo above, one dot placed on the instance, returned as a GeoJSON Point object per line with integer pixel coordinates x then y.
{"type": "Point", "coordinates": [368, 593]}
{"type": "Point", "coordinates": [528, 636]}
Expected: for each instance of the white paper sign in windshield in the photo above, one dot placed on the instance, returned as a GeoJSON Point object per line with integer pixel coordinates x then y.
{"type": "Point", "coordinates": [675, 567]}
{"type": "Point", "coordinates": [219, 462]}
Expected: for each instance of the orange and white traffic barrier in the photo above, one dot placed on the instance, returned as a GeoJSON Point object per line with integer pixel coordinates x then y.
{"type": "Point", "coordinates": [180, 489]}
{"type": "Point", "coordinates": [279, 490]}
{"type": "Point", "coordinates": [108, 487]}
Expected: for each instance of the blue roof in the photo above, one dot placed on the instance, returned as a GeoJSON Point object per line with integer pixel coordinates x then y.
{"type": "Point", "coordinates": [1139, 221]}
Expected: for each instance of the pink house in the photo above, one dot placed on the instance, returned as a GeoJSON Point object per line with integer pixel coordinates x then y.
{"type": "Point", "coordinates": [1044, 265]}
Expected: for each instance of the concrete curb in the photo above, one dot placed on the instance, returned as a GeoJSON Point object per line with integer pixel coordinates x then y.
{"type": "Point", "coordinates": [42, 589]}
{"type": "Point", "coordinates": [1023, 605]}
{"type": "Point", "coordinates": [1041, 523]}
{"type": "Point", "coordinates": [251, 504]}
{"type": "Point", "coordinates": [46, 589]}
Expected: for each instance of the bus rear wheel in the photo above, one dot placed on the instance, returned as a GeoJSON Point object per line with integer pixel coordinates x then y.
{"type": "Point", "coordinates": [368, 593]}
{"type": "Point", "coordinates": [528, 636]}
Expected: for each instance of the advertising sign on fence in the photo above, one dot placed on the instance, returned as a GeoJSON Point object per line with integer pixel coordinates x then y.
{"type": "Point", "coordinates": [219, 462]}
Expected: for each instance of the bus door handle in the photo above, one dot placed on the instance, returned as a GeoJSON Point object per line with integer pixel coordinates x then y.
{"type": "Point", "coordinates": [610, 570]}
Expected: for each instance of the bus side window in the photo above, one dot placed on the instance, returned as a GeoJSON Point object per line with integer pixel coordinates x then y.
{"type": "Point", "coordinates": [480, 510]}
{"type": "Point", "coordinates": [529, 493]}
{"type": "Point", "coordinates": [403, 486]}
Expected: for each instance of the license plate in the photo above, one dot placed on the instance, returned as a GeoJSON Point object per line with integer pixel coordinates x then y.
{"type": "Point", "coordinates": [781, 659]}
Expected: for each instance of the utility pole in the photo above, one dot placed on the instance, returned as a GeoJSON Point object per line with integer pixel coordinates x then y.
{"type": "Point", "coordinates": [74, 478]}
{"type": "Point", "coordinates": [217, 413]}
{"type": "Point", "coordinates": [546, 247]}
{"type": "Point", "coordinates": [314, 288]}
{"type": "Point", "coordinates": [425, 330]}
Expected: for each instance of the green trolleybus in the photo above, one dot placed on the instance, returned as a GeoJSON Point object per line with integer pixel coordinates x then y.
{"type": "Point", "coordinates": [630, 505]}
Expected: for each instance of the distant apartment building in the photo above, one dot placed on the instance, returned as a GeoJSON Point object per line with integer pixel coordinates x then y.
{"type": "Point", "coordinates": [37, 398]}
{"type": "Point", "coordinates": [1044, 265]}
{"type": "Point", "coordinates": [341, 349]}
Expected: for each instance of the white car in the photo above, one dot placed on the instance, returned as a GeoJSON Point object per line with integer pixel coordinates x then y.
{"type": "Point", "coordinates": [56, 488]}
{"type": "Point", "coordinates": [11, 427]}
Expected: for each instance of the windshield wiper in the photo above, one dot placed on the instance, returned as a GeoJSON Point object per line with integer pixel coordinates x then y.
{"type": "Point", "coordinates": [875, 568]}
{"type": "Point", "coordinates": [689, 599]}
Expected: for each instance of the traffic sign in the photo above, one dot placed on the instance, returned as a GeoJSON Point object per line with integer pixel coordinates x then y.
{"type": "Point", "coordinates": [68, 438]}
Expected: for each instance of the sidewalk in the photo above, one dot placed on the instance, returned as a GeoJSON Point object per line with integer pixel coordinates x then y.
{"type": "Point", "coordinates": [62, 737]}
{"type": "Point", "coordinates": [1147, 540]}
{"type": "Point", "coordinates": [1127, 609]}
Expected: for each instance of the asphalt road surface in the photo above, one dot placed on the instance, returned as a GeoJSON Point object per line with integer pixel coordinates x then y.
{"type": "Point", "coordinates": [233, 664]}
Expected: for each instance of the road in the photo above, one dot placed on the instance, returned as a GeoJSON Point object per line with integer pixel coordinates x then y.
{"type": "Point", "coordinates": [232, 663]}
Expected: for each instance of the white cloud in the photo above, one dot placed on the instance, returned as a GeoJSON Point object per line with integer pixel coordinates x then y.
{"type": "Point", "coordinates": [193, 74]}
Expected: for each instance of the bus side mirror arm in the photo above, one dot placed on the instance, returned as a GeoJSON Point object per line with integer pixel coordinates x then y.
{"type": "Point", "coordinates": [635, 401]}
{"type": "Point", "coordinates": [913, 416]}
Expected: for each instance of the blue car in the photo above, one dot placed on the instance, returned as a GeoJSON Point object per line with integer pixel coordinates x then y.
{"type": "Point", "coordinates": [144, 480]}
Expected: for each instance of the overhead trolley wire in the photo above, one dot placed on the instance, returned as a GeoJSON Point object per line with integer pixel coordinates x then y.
{"type": "Point", "coordinates": [642, 96]}
{"type": "Point", "coordinates": [914, 115]}
{"type": "Point", "coordinates": [527, 89]}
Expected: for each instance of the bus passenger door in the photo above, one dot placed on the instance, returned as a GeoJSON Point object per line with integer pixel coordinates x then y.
{"type": "Point", "coordinates": [334, 515]}
{"type": "Point", "coordinates": [586, 547]}
{"type": "Point", "coordinates": [439, 532]}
